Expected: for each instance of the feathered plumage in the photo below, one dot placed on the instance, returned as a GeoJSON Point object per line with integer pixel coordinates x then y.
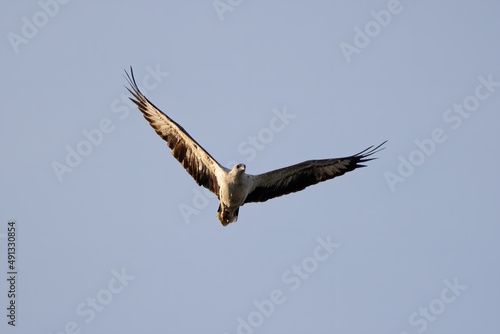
{"type": "Point", "coordinates": [233, 187]}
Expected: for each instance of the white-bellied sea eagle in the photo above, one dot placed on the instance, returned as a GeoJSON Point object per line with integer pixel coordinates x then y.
{"type": "Point", "coordinates": [233, 187]}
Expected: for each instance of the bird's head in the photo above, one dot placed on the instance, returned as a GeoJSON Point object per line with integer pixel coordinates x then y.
{"type": "Point", "coordinates": [239, 169]}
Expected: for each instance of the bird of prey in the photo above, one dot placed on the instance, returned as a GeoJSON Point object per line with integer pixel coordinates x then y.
{"type": "Point", "coordinates": [233, 187]}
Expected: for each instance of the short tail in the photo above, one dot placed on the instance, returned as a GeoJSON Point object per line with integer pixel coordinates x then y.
{"type": "Point", "coordinates": [227, 217]}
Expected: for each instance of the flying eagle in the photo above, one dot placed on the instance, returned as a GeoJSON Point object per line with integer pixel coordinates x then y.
{"type": "Point", "coordinates": [233, 187]}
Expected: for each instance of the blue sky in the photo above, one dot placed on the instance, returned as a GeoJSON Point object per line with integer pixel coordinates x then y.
{"type": "Point", "coordinates": [114, 236]}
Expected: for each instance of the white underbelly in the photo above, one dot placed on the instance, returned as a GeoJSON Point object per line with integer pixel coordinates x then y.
{"type": "Point", "coordinates": [233, 195]}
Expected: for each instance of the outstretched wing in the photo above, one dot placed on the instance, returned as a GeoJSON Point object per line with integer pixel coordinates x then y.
{"type": "Point", "coordinates": [294, 178]}
{"type": "Point", "coordinates": [204, 169]}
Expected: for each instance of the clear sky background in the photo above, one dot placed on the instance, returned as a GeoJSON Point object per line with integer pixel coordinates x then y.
{"type": "Point", "coordinates": [113, 236]}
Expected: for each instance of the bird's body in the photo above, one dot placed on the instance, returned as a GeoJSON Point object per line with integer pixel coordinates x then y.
{"type": "Point", "coordinates": [233, 187]}
{"type": "Point", "coordinates": [232, 194]}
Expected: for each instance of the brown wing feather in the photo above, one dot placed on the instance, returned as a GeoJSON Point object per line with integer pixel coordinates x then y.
{"type": "Point", "coordinates": [197, 162]}
{"type": "Point", "coordinates": [294, 178]}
